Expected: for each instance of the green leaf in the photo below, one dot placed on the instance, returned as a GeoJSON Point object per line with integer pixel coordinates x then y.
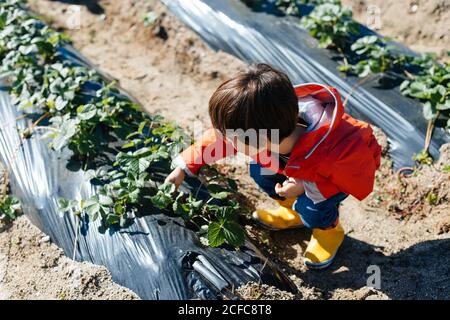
{"type": "Point", "coordinates": [134, 196]}
{"type": "Point", "coordinates": [161, 200]}
{"type": "Point", "coordinates": [404, 86]}
{"type": "Point", "coordinates": [60, 103]}
{"type": "Point", "coordinates": [216, 236]}
{"type": "Point", "coordinates": [119, 209]}
{"type": "Point", "coordinates": [375, 66]}
{"type": "Point", "coordinates": [423, 157]}
{"type": "Point", "coordinates": [418, 89]}
{"type": "Point", "coordinates": [128, 145]}
{"type": "Point", "coordinates": [344, 68]}
{"type": "Point", "coordinates": [429, 111]}
{"type": "Point", "coordinates": [432, 198]}
{"type": "Point", "coordinates": [443, 106]}
{"type": "Point", "coordinates": [163, 197]}
{"type": "Point", "coordinates": [233, 233]}
{"type": "Point", "coordinates": [137, 166]}
{"type": "Point", "coordinates": [91, 206]}
{"type": "Point", "coordinates": [66, 131]}
{"type": "Point", "coordinates": [225, 231]}
{"type": "Point", "coordinates": [150, 19]}
{"type": "Point", "coordinates": [143, 152]}
{"type": "Point", "coordinates": [105, 200]}
{"type": "Point", "coordinates": [168, 188]}
{"type": "Point", "coordinates": [181, 209]}
{"type": "Point", "coordinates": [365, 71]}
{"type": "Point", "coordinates": [3, 19]}
{"type": "Point", "coordinates": [65, 205]}
{"type": "Point", "coordinates": [141, 127]}
{"type": "Point", "coordinates": [218, 192]}
{"type": "Point", "coordinates": [86, 112]}
{"type": "Point", "coordinates": [9, 206]}
{"type": "Point", "coordinates": [225, 213]}
{"type": "Point", "coordinates": [112, 219]}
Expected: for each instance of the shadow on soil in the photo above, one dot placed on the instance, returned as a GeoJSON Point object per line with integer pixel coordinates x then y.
{"type": "Point", "coordinates": [91, 5]}
{"type": "Point", "coordinates": [421, 271]}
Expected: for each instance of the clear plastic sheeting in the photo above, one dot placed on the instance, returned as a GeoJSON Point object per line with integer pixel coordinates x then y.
{"type": "Point", "coordinates": [157, 256]}
{"type": "Point", "coordinates": [231, 26]}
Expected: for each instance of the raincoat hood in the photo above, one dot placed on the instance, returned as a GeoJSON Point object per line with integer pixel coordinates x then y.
{"type": "Point", "coordinates": [310, 141]}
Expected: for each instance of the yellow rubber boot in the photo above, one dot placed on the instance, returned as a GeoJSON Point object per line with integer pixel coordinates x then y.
{"type": "Point", "coordinates": [323, 246]}
{"type": "Point", "coordinates": [284, 217]}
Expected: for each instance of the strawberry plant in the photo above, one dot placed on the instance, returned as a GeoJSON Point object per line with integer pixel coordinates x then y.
{"type": "Point", "coordinates": [150, 19]}
{"type": "Point", "coordinates": [216, 217]}
{"type": "Point", "coordinates": [432, 87]}
{"type": "Point", "coordinates": [332, 24]}
{"type": "Point", "coordinates": [289, 7]}
{"type": "Point", "coordinates": [121, 150]}
{"type": "Point", "coordinates": [9, 207]}
{"type": "Point", "coordinates": [374, 55]}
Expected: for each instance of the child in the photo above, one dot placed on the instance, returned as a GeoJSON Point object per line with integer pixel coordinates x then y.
{"type": "Point", "coordinates": [308, 154]}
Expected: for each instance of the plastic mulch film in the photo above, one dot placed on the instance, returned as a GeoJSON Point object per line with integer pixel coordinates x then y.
{"type": "Point", "coordinates": [157, 256]}
{"type": "Point", "coordinates": [231, 26]}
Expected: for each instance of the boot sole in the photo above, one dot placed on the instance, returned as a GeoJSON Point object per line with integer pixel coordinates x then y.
{"type": "Point", "coordinates": [320, 265]}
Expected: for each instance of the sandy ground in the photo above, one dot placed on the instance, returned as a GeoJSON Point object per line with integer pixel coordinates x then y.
{"type": "Point", "coordinates": [31, 267]}
{"type": "Point", "coordinates": [422, 25]}
{"type": "Point", "coordinates": [173, 73]}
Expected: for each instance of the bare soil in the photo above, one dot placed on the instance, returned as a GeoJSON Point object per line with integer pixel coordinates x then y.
{"type": "Point", "coordinates": [256, 291]}
{"type": "Point", "coordinates": [171, 72]}
{"type": "Point", "coordinates": [31, 267]}
{"type": "Point", "coordinates": [422, 25]}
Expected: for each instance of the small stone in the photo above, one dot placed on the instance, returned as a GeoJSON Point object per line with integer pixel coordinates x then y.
{"type": "Point", "coordinates": [44, 239]}
{"type": "Point", "coordinates": [413, 8]}
{"type": "Point", "coordinates": [341, 269]}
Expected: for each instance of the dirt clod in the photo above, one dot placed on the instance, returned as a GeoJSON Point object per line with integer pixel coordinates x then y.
{"type": "Point", "coordinates": [255, 291]}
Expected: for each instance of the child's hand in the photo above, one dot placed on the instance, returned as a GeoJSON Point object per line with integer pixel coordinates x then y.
{"type": "Point", "coordinates": [291, 188]}
{"type": "Point", "coordinates": [176, 177]}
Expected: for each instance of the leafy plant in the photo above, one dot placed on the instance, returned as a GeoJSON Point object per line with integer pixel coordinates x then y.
{"type": "Point", "coordinates": [374, 56]}
{"type": "Point", "coordinates": [219, 221]}
{"type": "Point", "coordinates": [432, 198]}
{"type": "Point", "coordinates": [332, 24]}
{"type": "Point", "coordinates": [9, 207]}
{"type": "Point", "coordinates": [423, 158]}
{"type": "Point", "coordinates": [432, 87]}
{"type": "Point", "coordinates": [150, 19]}
{"type": "Point", "coordinates": [289, 7]}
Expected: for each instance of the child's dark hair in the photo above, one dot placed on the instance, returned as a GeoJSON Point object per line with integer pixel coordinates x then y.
{"type": "Point", "coordinates": [259, 98]}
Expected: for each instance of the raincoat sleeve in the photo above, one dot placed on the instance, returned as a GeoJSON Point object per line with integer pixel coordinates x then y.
{"type": "Point", "coordinates": [211, 147]}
